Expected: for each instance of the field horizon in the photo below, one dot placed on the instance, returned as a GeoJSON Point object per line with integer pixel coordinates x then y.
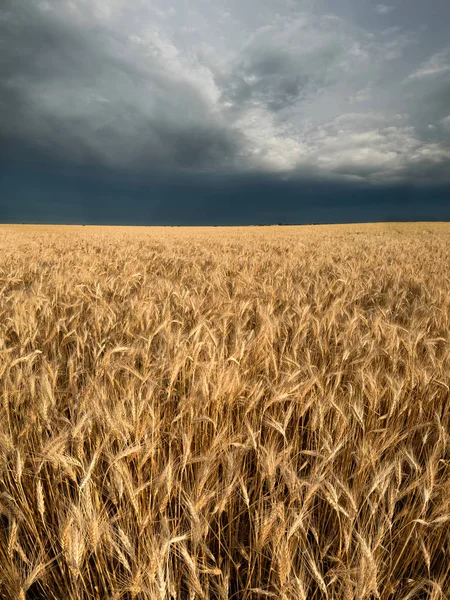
{"type": "Point", "coordinates": [349, 225]}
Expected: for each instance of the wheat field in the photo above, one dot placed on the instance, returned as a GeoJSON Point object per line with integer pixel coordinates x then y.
{"type": "Point", "coordinates": [220, 413]}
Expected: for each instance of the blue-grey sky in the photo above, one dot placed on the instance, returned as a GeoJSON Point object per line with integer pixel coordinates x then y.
{"type": "Point", "coordinates": [243, 110]}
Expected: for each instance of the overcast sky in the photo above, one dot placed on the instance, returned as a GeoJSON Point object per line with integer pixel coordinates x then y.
{"type": "Point", "coordinates": [140, 105]}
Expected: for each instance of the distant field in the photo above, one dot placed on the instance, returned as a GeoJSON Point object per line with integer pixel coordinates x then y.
{"type": "Point", "coordinates": [215, 413]}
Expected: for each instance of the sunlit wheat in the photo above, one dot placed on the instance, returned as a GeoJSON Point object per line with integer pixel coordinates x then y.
{"type": "Point", "coordinates": [225, 413]}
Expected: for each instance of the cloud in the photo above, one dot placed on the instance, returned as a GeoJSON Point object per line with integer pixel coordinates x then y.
{"type": "Point", "coordinates": [436, 66]}
{"type": "Point", "coordinates": [371, 146]}
{"type": "Point", "coordinates": [267, 86]}
{"type": "Point", "coordinates": [362, 95]}
{"type": "Point", "coordinates": [426, 93]}
{"type": "Point", "coordinates": [292, 60]}
{"type": "Point", "coordinates": [383, 9]}
{"type": "Point", "coordinates": [95, 94]}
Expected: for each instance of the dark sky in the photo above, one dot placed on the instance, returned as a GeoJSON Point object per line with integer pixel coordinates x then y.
{"type": "Point", "coordinates": [224, 111]}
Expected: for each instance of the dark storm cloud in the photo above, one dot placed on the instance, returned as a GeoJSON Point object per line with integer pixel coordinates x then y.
{"type": "Point", "coordinates": [281, 65]}
{"type": "Point", "coordinates": [76, 90]}
{"type": "Point", "coordinates": [336, 91]}
{"type": "Point", "coordinates": [57, 193]}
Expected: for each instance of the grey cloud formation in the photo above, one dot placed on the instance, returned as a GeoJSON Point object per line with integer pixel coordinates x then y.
{"type": "Point", "coordinates": [76, 88]}
{"type": "Point", "coordinates": [437, 65]}
{"type": "Point", "coordinates": [283, 86]}
{"type": "Point", "coordinates": [287, 63]}
{"type": "Point", "coordinates": [383, 9]}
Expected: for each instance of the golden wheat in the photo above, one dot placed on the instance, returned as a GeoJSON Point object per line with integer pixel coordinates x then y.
{"type": "Point", "coordinates": [225, 413]}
